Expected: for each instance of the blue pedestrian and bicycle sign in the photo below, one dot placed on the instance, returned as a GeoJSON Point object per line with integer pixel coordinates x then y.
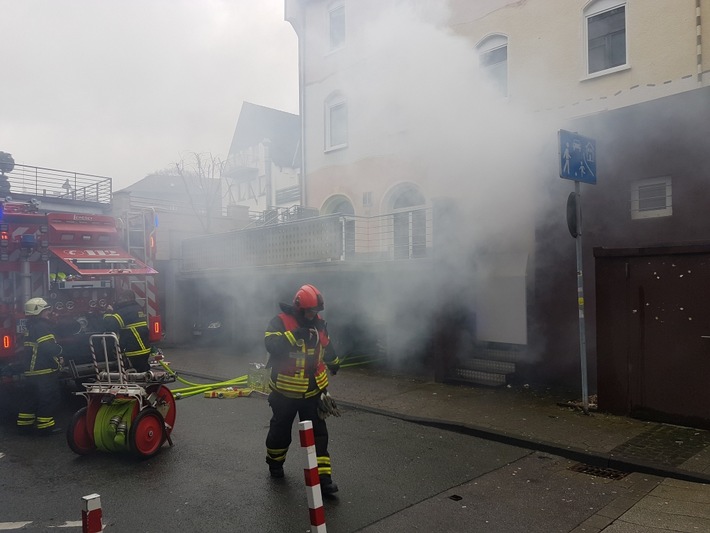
{"type": "Point", "coordinates": [578, 157]}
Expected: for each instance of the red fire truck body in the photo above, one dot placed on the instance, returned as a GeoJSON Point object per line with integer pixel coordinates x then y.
{"type": "Point", "coordinates": [77, 263]}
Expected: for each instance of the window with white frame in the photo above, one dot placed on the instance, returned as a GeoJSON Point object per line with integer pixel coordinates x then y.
{"type": "Point", "coordinates": [336, 26]}
{"type": "Point", "coordinates": [367, 199]}
{"type": "Point", "coordinates": [493, 59]}
{"type": "Point", "coordinates": [605, 30]}
{"type": "Point", "coordinates": [651, 197]}
{"type": "Point", "coordinates": [336, 122]}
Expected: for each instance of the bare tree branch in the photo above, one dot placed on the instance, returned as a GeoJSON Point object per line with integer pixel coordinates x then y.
{"type": "Point", "coordinates": [201, 176]}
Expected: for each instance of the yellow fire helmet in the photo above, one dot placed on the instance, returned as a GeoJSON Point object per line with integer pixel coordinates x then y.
{"type": "Point", "coordinates": [35, 306]}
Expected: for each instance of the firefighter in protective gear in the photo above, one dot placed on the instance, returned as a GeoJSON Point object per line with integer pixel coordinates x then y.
{"type": "Point", "coordinates": [129, 322]}
{"type": "Point", "coordinates": [42, 358]}
{"type": "Point", "coordinates": [300, 351]}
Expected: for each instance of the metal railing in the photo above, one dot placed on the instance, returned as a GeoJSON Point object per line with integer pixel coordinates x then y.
{"type": "Point", "coordinates": [48, 182]}
{"type": "Point", "coordinates": [404, 235]}
{"type": "Point", "coordinates": [280, 215]}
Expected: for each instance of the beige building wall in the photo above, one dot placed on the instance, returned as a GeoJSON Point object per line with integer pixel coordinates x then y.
{"type": "Point", "coordinates": [546, 52]}
{"type": "Point", "coordinates": [546, 76]}
{"type": "Point", "coordinates": [367, 164]}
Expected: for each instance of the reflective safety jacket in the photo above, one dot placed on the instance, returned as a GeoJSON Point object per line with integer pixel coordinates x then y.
{"type": "Point", "coordinates": [42, 351]}
{"type": "Point", "coordinates": [298, 367]}
{"type": "Point", "coordinates": [128, 321]}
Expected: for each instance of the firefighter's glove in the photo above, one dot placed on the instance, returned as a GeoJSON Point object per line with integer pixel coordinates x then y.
{"type": "Point", "coordinates": [302, 333]}
{"type": "Point", "coordinates": [327, 406]}
{"type": "Point", "coordinates": [333, 369]}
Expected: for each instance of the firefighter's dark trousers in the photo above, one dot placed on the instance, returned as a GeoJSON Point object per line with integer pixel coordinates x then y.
{"type": "Point", "coordinates": [39, 402]}
{"type": "Point", "coordinates": [278, 439]}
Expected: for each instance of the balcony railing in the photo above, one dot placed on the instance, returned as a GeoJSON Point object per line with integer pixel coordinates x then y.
{"type": "Point", "coordinates": [279, 215]}
{"type": "Point", "coordinates": [48, 182]}
{"type": "Point", "coordinates": [403, 235]}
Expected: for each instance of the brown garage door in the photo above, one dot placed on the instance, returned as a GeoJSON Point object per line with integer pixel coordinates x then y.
{"type": "Point", "coordinates": [653, 317]}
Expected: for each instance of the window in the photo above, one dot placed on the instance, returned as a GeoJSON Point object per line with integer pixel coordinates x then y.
{"type": "Point", "coordinates": [367, 199]}
{"type": "Point", "coordinates": [605, 24]}
{"type": "Point", "coordinates": [336, 26]}
{"type": "Point", "coordinates": [288, 195]}
{"type": "Point", "coordinates": [651, 198]}
{"type": "Point", "coordinates": [493, 59]}
{"type": "Point", "coordinates": [341, 205]}
{"type": "Point", "coordinates": [336, 123]}
{"type": "Point", "coordinates": [409, 220]}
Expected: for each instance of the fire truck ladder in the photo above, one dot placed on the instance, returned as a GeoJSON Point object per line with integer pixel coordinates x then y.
{"type": "Point", "coordinates": [137, 235]}
{"type": "Point", "coordinates": [136, 232]}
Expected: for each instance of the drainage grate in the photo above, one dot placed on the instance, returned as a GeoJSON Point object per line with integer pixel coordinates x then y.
{"type": "Point", "coordinates": [608, 473]}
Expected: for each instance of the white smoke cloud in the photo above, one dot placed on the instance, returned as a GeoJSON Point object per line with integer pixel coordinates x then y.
{"type": "Point", "coordinates": [415, 91]}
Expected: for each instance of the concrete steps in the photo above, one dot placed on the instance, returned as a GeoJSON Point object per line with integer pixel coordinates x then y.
{"type": "Point", "coordinates": [490, 379]}
{"type": "Point", "coordinates": [490, 366]}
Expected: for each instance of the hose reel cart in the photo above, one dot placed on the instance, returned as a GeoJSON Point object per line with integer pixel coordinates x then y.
{"type": "Point", "coordinates": [126, 410]}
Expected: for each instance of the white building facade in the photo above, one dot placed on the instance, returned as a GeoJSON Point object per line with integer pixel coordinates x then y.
{"type": "Point", "coordinates": [404, 103]}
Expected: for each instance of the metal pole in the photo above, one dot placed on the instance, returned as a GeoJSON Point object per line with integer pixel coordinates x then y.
{"type": "Point", "coordinates": [26, 277]}
{"type": "Point", "coordinates": [580, 301]}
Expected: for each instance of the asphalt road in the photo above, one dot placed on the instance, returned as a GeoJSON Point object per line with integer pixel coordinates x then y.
{"type": "Point", "coordinates": [393, 475]}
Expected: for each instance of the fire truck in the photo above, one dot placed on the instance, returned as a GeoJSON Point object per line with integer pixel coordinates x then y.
{"type": "Point", "coordinates": [76, 261]}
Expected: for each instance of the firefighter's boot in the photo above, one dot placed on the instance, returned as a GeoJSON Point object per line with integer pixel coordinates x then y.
{"type": "Point", "coordinates": [276, 468]}
{"type": "Point", "coordinates": [26, 423]}
{"type": "Point", "coordinates": [54, 430]}
{"type": "Point", "coordinates": [327, 486]}
{"type": "Point", "coordinates": [46, 426]}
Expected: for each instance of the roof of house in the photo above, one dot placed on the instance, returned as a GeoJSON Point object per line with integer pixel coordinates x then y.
{"type": "Point", "coordinates": [170, 188]}
{"type": "Point", "coordinates": [257, 123]}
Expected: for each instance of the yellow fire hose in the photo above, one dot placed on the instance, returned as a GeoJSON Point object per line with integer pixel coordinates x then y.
{"type": "Point", "coordinates": [193, 389]}
{"type": "Point", "coordinates": [352, 360]}
{"type": "Point", "coordinates": [198, 388]}
{"type": "Point", "coordinates": [184, 381]}
{"type": "Point", "coordinates": [186, 392]}
{"type": "Point", "coordinates": [113, 422]}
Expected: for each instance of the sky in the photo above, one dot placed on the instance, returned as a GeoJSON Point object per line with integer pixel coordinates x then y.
{"type": "Point", "coordinates": [124, 88]}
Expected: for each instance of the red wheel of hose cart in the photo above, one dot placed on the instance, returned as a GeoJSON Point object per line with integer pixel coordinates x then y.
{"type": "Point", "coordinates": [165, 405]}
{"type": "Point", "coordinates": [147, 433]}
{"type": "Point", "coordinates": [79, 436]}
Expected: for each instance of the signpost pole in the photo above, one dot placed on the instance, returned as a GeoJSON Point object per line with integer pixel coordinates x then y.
{"type": "Point", "coordinates": [578, 162]}
{"type": "Point", "coordinates": [580, 301]}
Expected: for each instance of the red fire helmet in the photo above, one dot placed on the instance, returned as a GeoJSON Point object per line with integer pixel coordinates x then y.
{"type": "Point", "coordinates": [308, 298]}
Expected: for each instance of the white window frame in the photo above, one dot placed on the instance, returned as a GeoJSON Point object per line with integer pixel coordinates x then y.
{"type": "Point", "coordinates": [333, 103]}
{"type": "Point", "coordinates": [637, 210]}
{"type": "Point", "coordinates": [332, 10]}
{"type": "Point", "coordinates": [367, 199]}
{"type": "Point", "coordinates": [490, 44]}
{"type": "Point", "coordinates": [594, 8]}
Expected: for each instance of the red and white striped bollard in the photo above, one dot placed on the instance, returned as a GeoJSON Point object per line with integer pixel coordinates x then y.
{"type": "Point", "coordinates": [91, 514]}
{"type": "Point", "coordinates": [315, 498]}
